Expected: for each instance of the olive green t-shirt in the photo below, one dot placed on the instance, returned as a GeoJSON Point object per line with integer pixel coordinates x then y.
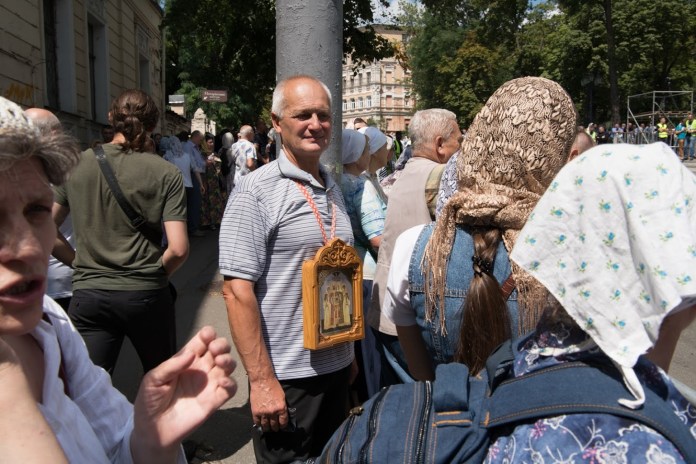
{"type": "Point", "coordinates": [111, 254]}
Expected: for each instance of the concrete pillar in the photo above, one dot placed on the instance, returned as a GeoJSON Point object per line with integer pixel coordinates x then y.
{"type": "Point", "coordinates": [309, 40]}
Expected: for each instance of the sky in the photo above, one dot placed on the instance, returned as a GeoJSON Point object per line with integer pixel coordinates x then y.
{"type": "Point", "coordinates": [382, 14]}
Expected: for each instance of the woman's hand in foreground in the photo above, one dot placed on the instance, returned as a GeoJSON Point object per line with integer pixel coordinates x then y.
{"type": "Point", "coordinates": [179, 395]}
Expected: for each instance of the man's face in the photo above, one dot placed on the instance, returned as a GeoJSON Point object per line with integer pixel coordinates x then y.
{"type": "Point", "coordinates": [305, 126]}
{"type": "Point", "coordinates": [196, 139]}
{"type": "Point", "coordinates": [27, 234]}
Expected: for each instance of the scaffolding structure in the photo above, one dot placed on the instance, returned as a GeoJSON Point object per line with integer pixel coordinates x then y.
{"type": "Point", "coordinates": [650, 107]}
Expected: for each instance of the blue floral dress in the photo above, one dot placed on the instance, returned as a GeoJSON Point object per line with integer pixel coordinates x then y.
{"type": "Point", "coordinates": [367, 213]}
{"type": "Point", "coordinates": [586, 438]}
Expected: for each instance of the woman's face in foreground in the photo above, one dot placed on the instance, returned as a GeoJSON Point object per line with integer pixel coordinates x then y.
{"type": "Point", "coordinates": [27, 234]}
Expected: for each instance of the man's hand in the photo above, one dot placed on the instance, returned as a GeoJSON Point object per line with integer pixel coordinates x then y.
{"type": "Point", "coordinates": [179, 395]}
{"type": "Point", "coordinates": [268, 406]}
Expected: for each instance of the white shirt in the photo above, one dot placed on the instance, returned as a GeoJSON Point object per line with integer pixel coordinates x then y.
{"type": "Point", "coordinates": [243, 150]}
{"type": "Point", "coordinates": [397, 301]}
{"type": "Point", "coordinates": [94, 424]}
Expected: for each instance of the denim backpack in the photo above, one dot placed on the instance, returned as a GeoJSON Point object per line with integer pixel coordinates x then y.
{"type": "Point", "coordinates": [453, 419]}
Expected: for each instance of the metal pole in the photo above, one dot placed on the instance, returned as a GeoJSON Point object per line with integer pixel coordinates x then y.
{"type": "Point", "coordinates": [309, 40]}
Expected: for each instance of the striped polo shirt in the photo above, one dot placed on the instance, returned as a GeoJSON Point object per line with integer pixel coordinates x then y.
{"type": "Point", "coordinates": [267, 232]}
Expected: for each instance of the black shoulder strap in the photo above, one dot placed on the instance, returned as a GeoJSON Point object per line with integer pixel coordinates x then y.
{"type": "Point", "coordinates": [136, 220]}
{"type": "Point", "coordinates": [576, 387]}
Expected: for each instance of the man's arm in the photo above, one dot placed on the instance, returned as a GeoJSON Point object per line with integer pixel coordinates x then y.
{"type": "Point", "coordinates": [266, 396]}
{"type": "Point", "coordinates": [178, 246]}
{"type": "Point", "coordinates": [62, 250]}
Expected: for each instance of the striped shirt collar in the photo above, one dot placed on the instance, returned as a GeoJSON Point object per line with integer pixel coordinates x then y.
{"type": "Point", "coordinates": [291, 171]}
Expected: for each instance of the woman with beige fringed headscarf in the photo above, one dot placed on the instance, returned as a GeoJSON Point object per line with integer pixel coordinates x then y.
{"type": "Point", "coordinates": [452, 292]}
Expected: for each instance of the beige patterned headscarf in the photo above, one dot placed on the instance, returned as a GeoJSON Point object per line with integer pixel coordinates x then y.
{"type": "Point", "coordinates": [517, 143]}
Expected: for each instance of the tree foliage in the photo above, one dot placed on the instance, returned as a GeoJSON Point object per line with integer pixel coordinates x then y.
{"type": "Point", "coordinates": [463, 49]}
{"type": "Point", "coordinates": [231, 46]}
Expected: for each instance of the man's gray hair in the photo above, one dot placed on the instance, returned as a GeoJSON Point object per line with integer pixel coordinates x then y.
{"type": "Point", "coordinates": [427, 125]}
{"type": "Point", "coordinates": [278, 104]}
{"type": "Point", "coordinates": [246, 130]}
{"type": "Point", "coordinates": [20, 140]}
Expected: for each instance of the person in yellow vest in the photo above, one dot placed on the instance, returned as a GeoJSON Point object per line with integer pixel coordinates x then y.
{"type": "Point", "coordinates": [690, 137]}
{"type": "Point", "coordinates": [662, 131]}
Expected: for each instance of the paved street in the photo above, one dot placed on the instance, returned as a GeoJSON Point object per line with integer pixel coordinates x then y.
{"type": "Point", "coordinates": [225, 438]}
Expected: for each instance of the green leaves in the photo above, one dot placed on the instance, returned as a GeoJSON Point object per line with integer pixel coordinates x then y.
{"type": "Point", "coordinates": [463, 50]}
{"type": "Point", "coordinates": [231, 46]}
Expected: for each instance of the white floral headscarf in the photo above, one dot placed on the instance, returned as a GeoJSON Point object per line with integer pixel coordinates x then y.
{"type": "Point", "coordinates": [614, 240]}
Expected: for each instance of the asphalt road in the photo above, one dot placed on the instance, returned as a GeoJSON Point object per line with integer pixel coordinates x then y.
{"type": "Point", "coordinates": [225, 437]}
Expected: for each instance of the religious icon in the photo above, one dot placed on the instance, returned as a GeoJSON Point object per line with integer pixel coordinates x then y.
{"type": "Point", "coordinates": [332, 296]}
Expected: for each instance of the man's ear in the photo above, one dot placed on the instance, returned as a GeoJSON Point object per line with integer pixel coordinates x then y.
{"type": "Point", "coordinates": [574, 152]}
{"type": "Point", "coordinates": [276, 122]}
{"type": "Point", "coordinates": [439, 142]}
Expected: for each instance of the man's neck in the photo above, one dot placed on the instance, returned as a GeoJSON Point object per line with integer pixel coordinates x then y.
{"type": "Point", "coordinates": [425, 154]}
{"type": "Point", "coordinates": [309, 166]}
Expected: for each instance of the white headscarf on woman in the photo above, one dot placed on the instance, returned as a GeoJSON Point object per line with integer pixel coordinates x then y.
{"type": "Point", "coordinates": [614, 240]}
{"type": "Point", "coordinates": [377, 138]}
{"type": "Point", "coordinates": [352, 145]}
{"type": "Point", "coordinates": [227, 140]}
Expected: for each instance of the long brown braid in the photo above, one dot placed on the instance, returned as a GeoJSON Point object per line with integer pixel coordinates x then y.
{"type": "Point", "coordinates": [517, 143]}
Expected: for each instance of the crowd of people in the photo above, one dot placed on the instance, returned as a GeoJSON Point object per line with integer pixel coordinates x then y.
{"type": "Point", "coordinates": [517, 229]}
{"type": "Point", "coordinates": [681, 137]}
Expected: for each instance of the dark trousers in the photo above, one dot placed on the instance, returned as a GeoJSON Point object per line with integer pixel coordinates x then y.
{"type": "Point", "coordinates": [321, 406]}
{"type": "Point", "coordinates": [63, 302]}
{"type": "Point", "coordinates": [193, 205]}
{"type": "Point", "coordinates": [146, 317]}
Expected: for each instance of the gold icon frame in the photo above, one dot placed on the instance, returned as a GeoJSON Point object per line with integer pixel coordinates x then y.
{"type": "Point", "coordinates": [332, 298]}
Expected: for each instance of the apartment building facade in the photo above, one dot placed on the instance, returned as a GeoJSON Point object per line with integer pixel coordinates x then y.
{"type": "Point", "coordinates": [381, 91]}
{"type": "Point", "coordinates": [74, 57]}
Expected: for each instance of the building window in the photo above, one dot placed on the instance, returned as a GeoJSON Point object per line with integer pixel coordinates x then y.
{"type": "Point", "coordinates": [142, 40]}
{"type": "Point", "coordinates": [369, 77]}
{"type": "Point", "coordinates": [345, 105]}
{"type": "Point", "coordinates": [360, 79]}
{"type": "Point", "coordinates": [368, 102]}
{"type": "Point", "coordinates": [360, 102]}
{"type": "Point", "coordinates": [59, 54]}
{"type": "Point", "coordinates": [98, 80]}
{"type": "Point", "coordinates": [352, 103]}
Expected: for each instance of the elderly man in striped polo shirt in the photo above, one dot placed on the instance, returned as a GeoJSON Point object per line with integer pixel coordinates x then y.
{"type": "Point", "coordinates": [277, 217]}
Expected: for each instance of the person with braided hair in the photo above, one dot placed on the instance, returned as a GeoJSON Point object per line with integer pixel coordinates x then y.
{"type": "Point", "coordinates": [452, 291]}
{"type": "Point", "coordinates": [121, 279]}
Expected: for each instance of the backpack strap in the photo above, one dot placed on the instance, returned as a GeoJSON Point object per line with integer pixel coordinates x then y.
{"type": "Point", "coordinates": [136, 220]}
{"type": "Point", "coordinates": [576, 387]}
